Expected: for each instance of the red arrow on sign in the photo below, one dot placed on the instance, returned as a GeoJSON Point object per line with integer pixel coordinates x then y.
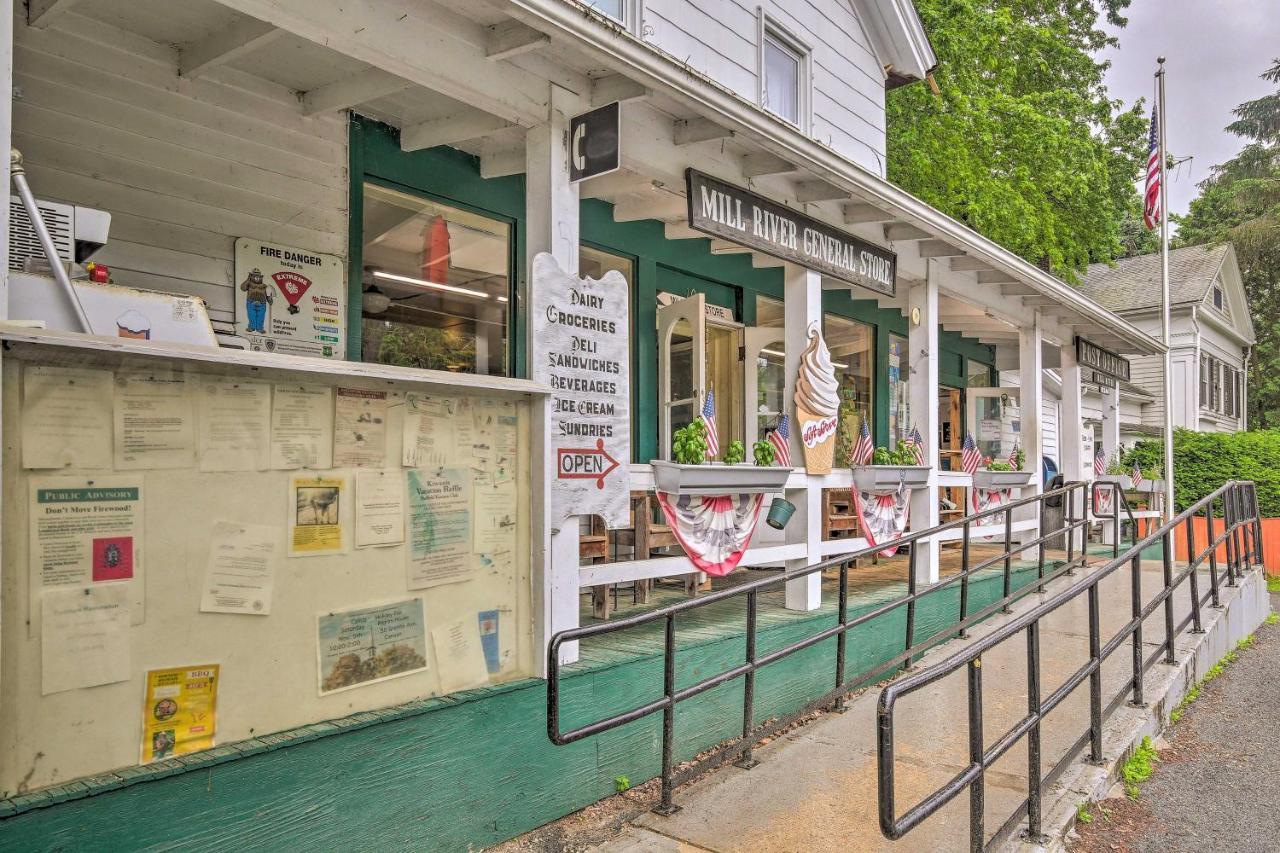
{"type": "Point", "coordinates": [585, 463]}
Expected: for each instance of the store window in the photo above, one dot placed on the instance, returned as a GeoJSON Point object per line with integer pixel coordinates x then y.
{"type": "Point", "coordinates": [978, 374]}
{"type": "Point", "coordinates": [771, 370]}
{"type": "Point", "coordinates": [436, 285]}
{"type": "Point", "coordinates": [783, 83]}
{"type": "Point", "coordinates": [852, 346]}
{"type": "Point", "coordinates": [899, 405]}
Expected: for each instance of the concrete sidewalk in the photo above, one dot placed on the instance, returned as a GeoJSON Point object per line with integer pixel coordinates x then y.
{"type": "Point", "coordinates": [815, 788]}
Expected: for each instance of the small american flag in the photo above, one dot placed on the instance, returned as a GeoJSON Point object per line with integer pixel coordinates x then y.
{"type": "Point", "coordinates": [709, 419]}
{"type": "Point", "coordinates": [1136, 476]}
{"type": "Point", "coordinates": [1151, 197]}
{"type": "Point", "coordinates": [1099, 462]}
{"type": "Point", "coordinates": [915, 442]}
{"type": "Point", "coordinates": [780, 438]}
{"type": "Point", "coordinates": [863, 450]}
{"type": "Point", "coordinates": [970, 458]}
{"type": "Point", "coordinates": [1013, 456]}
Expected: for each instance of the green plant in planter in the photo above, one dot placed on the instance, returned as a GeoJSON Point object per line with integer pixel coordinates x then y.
{"type": "Point", "coordinates": [735, 453]}
{"type": "Point", "coordinates": [1117, 468]}
{"type": "Point", "coordinates": [763, 452]}
{"type": "Point", "coordinates": [998, 465]}
{"type": "Point", "coordinates": [901, 455]}
{"type": "Point", "coordinates": [689, 445]}
{"type": "Point", "coordinates": [1019, 459]}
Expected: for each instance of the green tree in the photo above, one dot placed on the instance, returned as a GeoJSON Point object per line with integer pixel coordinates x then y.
{"type": "Point", "coordinates": [1240, 202]}
{"type": "Point", "coordinates": [1021, 142]}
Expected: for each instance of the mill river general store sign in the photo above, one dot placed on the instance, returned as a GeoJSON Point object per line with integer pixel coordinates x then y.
{"type": "Point", "coordinates": [580, 334]}
{"type": "Point", "coordinates": [743, 217]}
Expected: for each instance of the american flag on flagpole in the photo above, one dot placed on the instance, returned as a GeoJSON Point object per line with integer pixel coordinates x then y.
{"type": "Point", "coordinates": [709, 419]}
{"type": "Point", "coordinates": [863, 450]}
{"type": "Point", "coordinates": [1151, 196]}
{"type": "Point", "coordinates": [780, 438]}
{"type": "Point", "coordinates": [915, 442]}
{"type": "Point", "coordinates": [1013, 456]}
{"type": "Point", "coordinates": [1136, 476]}
{"type": "Point", "coordinates": [1099, 462]}
{"type": "Point", "coordinates": [970, 458]}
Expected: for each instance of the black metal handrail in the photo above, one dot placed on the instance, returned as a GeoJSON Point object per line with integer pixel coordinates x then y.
{"type": "Point", "coordinates": [1242, 537]}
{"type": "Point", "coordinates": [741, 748]}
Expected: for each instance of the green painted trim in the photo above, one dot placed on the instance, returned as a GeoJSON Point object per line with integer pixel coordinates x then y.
{"type": "Point", "coordinates": [355, 241]}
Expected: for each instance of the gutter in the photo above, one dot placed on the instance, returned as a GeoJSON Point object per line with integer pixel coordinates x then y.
{"type": "Point", "coordinates": [640, 61]}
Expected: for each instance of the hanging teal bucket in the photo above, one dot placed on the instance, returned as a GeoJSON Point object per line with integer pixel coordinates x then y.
{"type": "Point", "coordinates": [780, 512]}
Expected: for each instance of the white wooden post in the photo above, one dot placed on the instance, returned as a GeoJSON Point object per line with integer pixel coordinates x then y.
{"type": "Point", "coordinates": [1071, 426]}
{"type": "Point", "coordinates": [551, 215]}
{"type": "Point", "coordinates": [922, 358]}
{"type": "Point", "coordinates": [1110, 441]}
{"type": "Point", "coordinates": [802, 306]}
{"type": "Point", "coordinates": [1031, 405]}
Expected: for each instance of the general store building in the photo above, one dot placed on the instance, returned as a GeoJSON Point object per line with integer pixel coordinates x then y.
{"type": "Point", "coordinates": [425, 145]}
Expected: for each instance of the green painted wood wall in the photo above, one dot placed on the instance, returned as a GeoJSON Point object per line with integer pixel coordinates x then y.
{"type": "Point", "coordinates": [452, 176]}
{"type": "Point", "coordinates": [468, 771]}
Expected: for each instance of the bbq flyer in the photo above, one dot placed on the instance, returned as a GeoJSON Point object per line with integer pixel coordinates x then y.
{"type": "Point", "coordinates": [290, 300]}
{"type": "Point", "coordinates": [180, 711]}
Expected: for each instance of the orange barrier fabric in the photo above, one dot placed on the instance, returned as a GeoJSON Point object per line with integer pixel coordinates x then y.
{"type": "Point", "coordinates": [1270, 541]}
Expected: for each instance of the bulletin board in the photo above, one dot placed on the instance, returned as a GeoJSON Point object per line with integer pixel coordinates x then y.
{"type": "Point", "coordinates": [197, 553]}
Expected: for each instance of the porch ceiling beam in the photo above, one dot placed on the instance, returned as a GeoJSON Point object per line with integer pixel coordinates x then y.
{"type": "Point", "coordinates": [808, 191]}
{"type": "Point", "coordinates": [42, 13]}
{"type": "Point", "coordinates": [681, 231]}
{"type": "Point", "coordinates": [449, 130]}
{"type": "Point", "coordinates": [725, 247]}
{"type": "Point", "coordinates": [760, 163]}
{"type": "Point", "coordinates": [994, 277]}
{"type": "Point", "coordinates": [857, 212]}
{"type": "Point", "coordinates": [1035, 301]}
{"type": "Point", "coordinates": [242, 37]}
{"type": "Point", "coordinates": [512, 38]}
{"type": "Point", "coordinates": [448, 57]}
{"type": "Point", "coordinates": [616, 87]}
{"type": "Point", "coordinates": [614, 184]}
{"type": "Point", "coordinates": [689, 131]}
{"type": "Point", "coordinates": [967, 264]}
{"type": "Point", "coordinates": [899, 231]}
{"type": "Point", "coordinates": [656, 205]}
{"type": "Point", "coordinates": [938, 249]}
{"type": "Point", "coordinates": [367, 85]}
{"type": "Point", "coordinates": [1015, 288]}
{"type": "Point", "coordinates": [500, 161]}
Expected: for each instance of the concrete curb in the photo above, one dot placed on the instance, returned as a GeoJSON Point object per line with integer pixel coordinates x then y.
{"type": "Point", "coordinates": [1243, 609]}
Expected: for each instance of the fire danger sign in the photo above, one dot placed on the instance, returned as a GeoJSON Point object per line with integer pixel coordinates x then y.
{"type": "Point", "coordinates": [580, 349]}
{"type": "Point", "coordinates": [290, 300]}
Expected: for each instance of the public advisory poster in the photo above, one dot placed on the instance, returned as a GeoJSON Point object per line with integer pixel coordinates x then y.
{"type": "Point", "coordinates": [180, 711]}
{"type": "Point", "coordinates": [356, 647]}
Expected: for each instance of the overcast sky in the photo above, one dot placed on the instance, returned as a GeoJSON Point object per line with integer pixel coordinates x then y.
{"type": "Point", "coordinates": [1215, 50]}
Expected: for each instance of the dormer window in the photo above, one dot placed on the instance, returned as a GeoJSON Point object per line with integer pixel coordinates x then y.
{"type": "Point", "coordinates": [1217, 297]}
{"type": "Point", "coordinates": [784, 74]}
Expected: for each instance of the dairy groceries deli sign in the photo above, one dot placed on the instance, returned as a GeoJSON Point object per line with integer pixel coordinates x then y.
{"type": "Point", "coordinates": [743, 217]}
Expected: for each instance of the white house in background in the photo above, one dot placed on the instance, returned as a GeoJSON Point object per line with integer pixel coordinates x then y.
{"type": "Point", "coordinates": [1210, 330]}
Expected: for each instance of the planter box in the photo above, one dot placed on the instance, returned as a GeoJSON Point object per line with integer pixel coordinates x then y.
{"type": "Point", "coordinates": [718, 478]}
{"type": "Point", "coordinates": [879, 478]}
{"type": "Point", "coordinates": [1124, 481]}
{"type": "Point", "coordinates": [1002, 479]}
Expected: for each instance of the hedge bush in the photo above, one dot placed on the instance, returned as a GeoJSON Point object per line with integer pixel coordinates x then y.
{"type": "Point", "coordinates": [1203, 461]}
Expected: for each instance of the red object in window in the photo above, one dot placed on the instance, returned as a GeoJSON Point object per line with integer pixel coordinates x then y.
{"type": "Point", "coordinates": [98, 273]}
{"type": "Point", "coordinates": [435, 251]}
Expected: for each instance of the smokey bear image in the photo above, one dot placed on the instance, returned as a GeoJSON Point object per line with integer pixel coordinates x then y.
{"type": "Point", "coordinates": [257, 296]}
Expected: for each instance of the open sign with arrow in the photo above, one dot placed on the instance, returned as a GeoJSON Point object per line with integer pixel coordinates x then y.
{"type": "Point", "coordinates": [585, 463]}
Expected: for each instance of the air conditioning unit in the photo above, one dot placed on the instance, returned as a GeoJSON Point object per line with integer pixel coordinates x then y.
{"type": "Point", "coordinates": [77, 233]}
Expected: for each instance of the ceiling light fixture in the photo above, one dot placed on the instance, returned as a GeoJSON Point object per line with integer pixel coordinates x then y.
{"type": "Point", "coordinates": [420, 282]}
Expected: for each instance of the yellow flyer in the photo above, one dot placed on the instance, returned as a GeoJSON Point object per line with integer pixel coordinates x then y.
{"type": "Point", "coordinates": [180, 711]}
{"type": "Point", "coordinates": [318, 515]}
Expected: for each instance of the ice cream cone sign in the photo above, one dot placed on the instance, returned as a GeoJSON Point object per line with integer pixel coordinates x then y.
{"type": "Point", "coordinates": [817, 402]}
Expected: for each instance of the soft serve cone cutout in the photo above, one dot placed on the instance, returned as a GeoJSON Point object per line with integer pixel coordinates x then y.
{"type": "Point", "coordinates": [817, 403]}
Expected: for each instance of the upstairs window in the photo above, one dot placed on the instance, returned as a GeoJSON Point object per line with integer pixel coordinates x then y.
{"type": "Point", "coordinates": [1217, 297]}
{"type": "Point", "coordinates": [783, 75]}
{"type": "Point", "coordinates": [625, 12]}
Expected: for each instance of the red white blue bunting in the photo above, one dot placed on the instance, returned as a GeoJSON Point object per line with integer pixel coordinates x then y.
{"type": "Point", "coordinates": [714, 530]}
{"type": "Point", "coordinates": [883, 516]}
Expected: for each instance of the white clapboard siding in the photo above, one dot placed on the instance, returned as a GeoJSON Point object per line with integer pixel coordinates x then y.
{"type": "Point", "coordinates": [1049, 429]}
{"type": "Point", "coordinates": [720, 38]}
{"type": "Point", "coordinates": [184, 166]}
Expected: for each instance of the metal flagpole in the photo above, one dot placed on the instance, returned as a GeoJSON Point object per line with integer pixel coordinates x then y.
{"type": "Point", "coordinates": [1164, 298]}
